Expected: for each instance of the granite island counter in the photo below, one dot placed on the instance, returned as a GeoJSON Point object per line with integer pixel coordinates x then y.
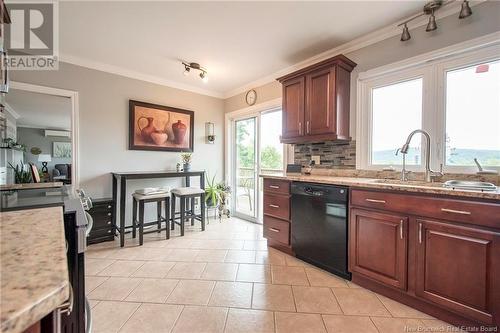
{"type": "Point", "coordinates": [34, 270]}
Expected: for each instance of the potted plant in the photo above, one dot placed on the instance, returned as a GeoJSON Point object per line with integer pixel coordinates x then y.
{"type": "Point", "coordinates": [186, 161]}
{"type": "Point", "coordinates": [224, 193]}
{"type": "Point", "coordinates": [212, 193]}
{"type": "Point", "coordinates": [22, 174]}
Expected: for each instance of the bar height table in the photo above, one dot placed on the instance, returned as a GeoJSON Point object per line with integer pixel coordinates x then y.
{"type": "Point", "coordinates": [122, 177]}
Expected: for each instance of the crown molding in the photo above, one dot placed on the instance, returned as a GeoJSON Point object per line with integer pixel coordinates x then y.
{"type": "Point", "coordinates": [103, 67]}
{"type": "Point", "coordinates": [351, 46]}
{"type": "Point", "coordinates": [12, 112]}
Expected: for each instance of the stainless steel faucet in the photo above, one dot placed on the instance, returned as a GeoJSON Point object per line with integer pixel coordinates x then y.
{"type": "Point", "coordinates": [430, 175]}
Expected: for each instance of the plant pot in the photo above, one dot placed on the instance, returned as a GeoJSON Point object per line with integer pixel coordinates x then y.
{"type": "Point", "coordinates": [210, 203]}
{"type": "Point", "coordinates": [186, 167]}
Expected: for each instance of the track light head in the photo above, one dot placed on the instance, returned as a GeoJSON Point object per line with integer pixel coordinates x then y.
{"type": "Point", "coordinates": [431, 26]}
{"type": "Point", "coordinates": [465, 11]}
{"type": "Point", "coordinates": [406, 34]}
{"type": "Point", "coordinates": [186, 70]}
{"type": "Point", "coordinates": [204, 76]}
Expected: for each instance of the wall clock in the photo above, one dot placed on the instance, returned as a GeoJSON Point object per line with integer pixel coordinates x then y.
{"type": "Point", "coordinates": [251, 97]}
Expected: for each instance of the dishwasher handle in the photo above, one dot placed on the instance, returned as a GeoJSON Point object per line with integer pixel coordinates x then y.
{"type": "Point", "coordinates": [314, 192]}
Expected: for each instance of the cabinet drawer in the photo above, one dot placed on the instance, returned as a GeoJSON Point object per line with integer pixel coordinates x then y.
{"type": "Point", "coordinates": [102, 223]}
{"type": "Point", "coordinates": [95, 233]}
{"type": "Point", "coordinates": [277, 206]}
{"type": "Point", "coordinates": [463, 211]}
{"type": "Point", "coordinates": [276, 229]}
{"type": "Point", "coordinates": [277, 186]}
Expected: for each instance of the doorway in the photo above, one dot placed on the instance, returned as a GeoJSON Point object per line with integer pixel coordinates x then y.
{"type": "Point", "coordinates": [256, 150]}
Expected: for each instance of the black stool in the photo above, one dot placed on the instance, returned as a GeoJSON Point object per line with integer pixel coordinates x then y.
{"type": "Point", "coordinates": [185, 194]}
{"type": "Point", "coordinates": [142, 199]}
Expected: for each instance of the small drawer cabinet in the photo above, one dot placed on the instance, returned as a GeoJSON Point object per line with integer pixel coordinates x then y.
{"type": "Point", "coordinates": [277, 213]}
{"type": "Point", "coordinates": [102, 214]}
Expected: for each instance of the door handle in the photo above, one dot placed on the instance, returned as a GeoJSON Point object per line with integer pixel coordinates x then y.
{"type": "Point", "coordinates": [274, 229]}
{"type": "Point", "coordinates": [420, 233]}
{"type": "Point", "coordinates": [375, 201]}
{"type": "Point", "coordinates": [274, 206]}
{"type": "Point", "coordinates": [461, 212]}
{"type": "Point", "coordinates": [401, 229]}
{"type": "Point", "coordinates": [274, 186]}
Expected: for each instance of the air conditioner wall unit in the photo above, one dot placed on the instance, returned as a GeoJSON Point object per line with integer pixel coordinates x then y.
{"type": "Point", "coordinates": [65, 134]}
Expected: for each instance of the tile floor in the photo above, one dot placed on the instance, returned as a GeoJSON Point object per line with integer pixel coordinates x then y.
{"type": "Point", "coordinates": [226, 279]}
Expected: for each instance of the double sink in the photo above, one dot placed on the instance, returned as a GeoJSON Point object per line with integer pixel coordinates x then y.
{"type": "Point", "coordinates": [452, 184]}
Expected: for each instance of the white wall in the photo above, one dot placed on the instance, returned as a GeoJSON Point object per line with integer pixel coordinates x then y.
{"type": "Point", "coordinates": [104, 123]}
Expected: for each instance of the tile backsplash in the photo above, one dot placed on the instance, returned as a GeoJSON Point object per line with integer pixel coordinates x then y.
{"type": "Point", "coordinates": [341, 155]}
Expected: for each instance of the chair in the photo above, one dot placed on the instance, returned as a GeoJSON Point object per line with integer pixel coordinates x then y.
{"type": "Point", "coordinates": [62, 172]}
{"type": "Point", "coordinates": [185, 194]}
{"type": "Point", "coordinates": [140, 200]}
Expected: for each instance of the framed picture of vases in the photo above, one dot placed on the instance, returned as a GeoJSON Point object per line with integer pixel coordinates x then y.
{"type": "Point", "coordinates": [158, 127]}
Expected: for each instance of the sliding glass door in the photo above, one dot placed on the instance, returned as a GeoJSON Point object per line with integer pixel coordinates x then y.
{"type": "Point", "coordinates": [257, 150]}
{"type": "Point", "coordinates": [245, 180]}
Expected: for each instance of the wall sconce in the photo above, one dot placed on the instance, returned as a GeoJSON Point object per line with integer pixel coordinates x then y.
{"type": "Point", "coordinates": [210, 132]}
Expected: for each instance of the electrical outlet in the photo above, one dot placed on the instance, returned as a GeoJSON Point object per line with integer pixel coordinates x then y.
{"type": "Point", "coordinates": [316, 159]}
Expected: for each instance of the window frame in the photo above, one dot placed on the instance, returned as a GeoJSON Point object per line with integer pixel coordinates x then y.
{"type": "Point", "coordinates": [432, 68]}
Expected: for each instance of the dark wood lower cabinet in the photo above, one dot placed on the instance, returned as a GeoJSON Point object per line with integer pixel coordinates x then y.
{"type": "Point", "coordinates": [438, 255]}
{"type": "Point", "coordinates": [378, 246]}
{"type": "Point", "coordinates": [102, 214]}
{"type": "Point", "coordinates": [454, 268]}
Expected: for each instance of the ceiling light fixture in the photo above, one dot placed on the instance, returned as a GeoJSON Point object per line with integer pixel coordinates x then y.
{"type": "Point", "coordinates": [406, 34]}
{"type": "Point", "coordinates": [429, 9]}
{"type": "Point", "coordinates": [465, 11]}
{"type": "Point", "coordinates": [194, 65]}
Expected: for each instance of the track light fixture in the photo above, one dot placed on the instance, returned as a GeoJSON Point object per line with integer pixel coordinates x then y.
{"type": "Point", "coordinates": [194, 65]}
{"type": "Point", "coordinates": [429, 9]}
{"type": "Point", "coordinates": [465, 11]}
{"type": "Point", "coordinates": [406, 34]}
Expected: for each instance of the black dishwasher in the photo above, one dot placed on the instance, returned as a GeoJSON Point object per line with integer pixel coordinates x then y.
{"type": "Point", "coordinates": [319, 226]}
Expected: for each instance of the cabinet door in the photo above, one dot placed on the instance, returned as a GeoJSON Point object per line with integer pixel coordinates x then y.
{"type": "Point", "coordinates": [378, 244]}
{"type": "Point", "coordinates": [320, 110]}
{"type": "Point", "coordinates": [293, 108]}
{"type": "Point", "coordinates": [455, 268]}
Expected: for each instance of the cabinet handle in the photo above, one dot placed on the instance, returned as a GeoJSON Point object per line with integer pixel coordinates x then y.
{"type": "Point", "coordinates": [401, 229]}
{"type": "Point", "coordinates": [300, 128]}
{"type": "Point", "coordinates": [462, 212]}
{"type": "Point", "coordinates": [420, 233]}
{"type": "Point", "coordinates": [109, 206]}
{"type": "Point", "coordinates": [274, 229]}
{"type": "Point", "coordinates": [274, 186]}
{"type": "Point", "coordinates": [108, 223]}
{"type": "Point", "coordinates": [375, 201]}
{"type": "Point", "coordinates": [109, 231]}
{"type": "Point", "coordinates": [274, 206]}
{"type": "Point", "coordinates": [307, 127]}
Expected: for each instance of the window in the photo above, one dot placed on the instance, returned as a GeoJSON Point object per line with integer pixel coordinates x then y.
{"type": "Point", "coordinates": [451, 94]}
{"type": "Point", "coordinates": [473, 115]}
{"type": "Point", "coordinates": [396, 111]}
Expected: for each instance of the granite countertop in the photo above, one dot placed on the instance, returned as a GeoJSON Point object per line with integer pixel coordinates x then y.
{"type": "Point", "coordinates": [389, 184]}
{"type": "Point", "coordinates": [29, 186]}
{"type": "Point", "coordinates": [33, 266]}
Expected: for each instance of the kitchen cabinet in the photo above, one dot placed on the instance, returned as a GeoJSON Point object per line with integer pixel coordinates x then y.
{"type": "Point", "coordinates": [439, 255]}
{"type": "Point", "coordinates": [276, 223]}
{"type": "Point", "coordinates": [379, 246]}
{"type": "Point", "coordinates": [103, 229]}
{"type": "Point", "coordinates": [316, 102]}
{"type": "Point", "coordinates": [453, 267]}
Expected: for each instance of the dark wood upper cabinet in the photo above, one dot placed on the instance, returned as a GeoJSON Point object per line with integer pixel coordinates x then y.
{"type": "Point", "coordinates": [316, 102]}
{"type": "Point", "coordinates": [293, 100]}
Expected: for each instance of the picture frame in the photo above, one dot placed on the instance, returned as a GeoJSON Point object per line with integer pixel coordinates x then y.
{"type": "Point", "coordinates": [61, 149]}
{"type": "Point", "coordinates": [160, 128]}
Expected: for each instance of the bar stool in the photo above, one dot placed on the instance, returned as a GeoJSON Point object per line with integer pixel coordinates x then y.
{"type": "Point", "coordinates": [141, 200]}
{"type": "Point", "coordinates": [185, 194]}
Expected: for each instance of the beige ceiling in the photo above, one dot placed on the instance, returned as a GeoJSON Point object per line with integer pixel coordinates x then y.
{"type": "Point", "coordinates": [238, 42]}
